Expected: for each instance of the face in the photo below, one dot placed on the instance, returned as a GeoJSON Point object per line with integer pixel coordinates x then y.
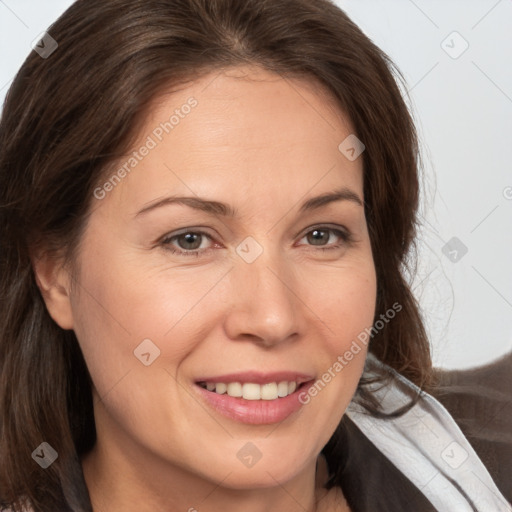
{"type": "Point", "coordinates": [176, 296]}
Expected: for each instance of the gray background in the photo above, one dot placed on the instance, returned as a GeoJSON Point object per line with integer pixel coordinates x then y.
{"type": "Point", "coordinates": [456, 56]}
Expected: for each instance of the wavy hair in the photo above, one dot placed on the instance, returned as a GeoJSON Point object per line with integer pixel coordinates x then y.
{"type": "Point", "coordinates": [68, 117]}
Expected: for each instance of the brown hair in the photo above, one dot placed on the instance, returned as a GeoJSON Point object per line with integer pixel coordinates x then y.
{"type": "Point", "coordinates": [68, 117]}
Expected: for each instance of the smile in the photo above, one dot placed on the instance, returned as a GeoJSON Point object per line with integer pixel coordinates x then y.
{"type": "Point", "coordinates": [254, 398]}
{"type": "Point", "coordinates": [252, 390]}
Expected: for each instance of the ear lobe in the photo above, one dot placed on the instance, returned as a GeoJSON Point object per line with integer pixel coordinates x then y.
{"type": "Point", "coordinates": [53, 280]}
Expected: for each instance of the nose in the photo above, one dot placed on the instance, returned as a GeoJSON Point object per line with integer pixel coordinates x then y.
{"type": "Point", "coordinates": [264, 305]}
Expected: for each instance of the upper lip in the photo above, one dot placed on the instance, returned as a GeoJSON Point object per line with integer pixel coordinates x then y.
{"type": "Point", "coordinates": [257, 377]}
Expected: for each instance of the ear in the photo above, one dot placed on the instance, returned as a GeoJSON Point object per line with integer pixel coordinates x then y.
{"type": "Point", "coordinates": [54, 281]}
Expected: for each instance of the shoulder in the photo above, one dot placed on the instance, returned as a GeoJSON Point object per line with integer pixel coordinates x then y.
{"type": "Point", "coordinates": [402, 430]}
{"type": "Point", "coordinates": [480, 401]}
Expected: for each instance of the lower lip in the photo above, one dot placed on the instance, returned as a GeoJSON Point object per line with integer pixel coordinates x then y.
{"type": "Point", "coordinates": [255, 412]}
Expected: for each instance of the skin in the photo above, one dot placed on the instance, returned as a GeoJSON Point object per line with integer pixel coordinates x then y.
{"type": "Point", "coordinates": [262, 144]}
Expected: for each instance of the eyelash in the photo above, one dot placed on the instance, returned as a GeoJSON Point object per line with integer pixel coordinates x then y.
{"type": "Point", "coordinates": [166, 241]}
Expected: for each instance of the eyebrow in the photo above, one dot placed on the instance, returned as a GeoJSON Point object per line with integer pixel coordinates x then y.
{"type": "Point", "coordinates": [218, 209]}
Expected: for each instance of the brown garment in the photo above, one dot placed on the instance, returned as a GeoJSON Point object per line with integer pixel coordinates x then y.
{"type": "Point", "coordinates": [480, 401]}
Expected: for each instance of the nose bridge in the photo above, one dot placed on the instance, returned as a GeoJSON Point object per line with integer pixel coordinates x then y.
{"type": "Point", "coordinates": [264, 303]}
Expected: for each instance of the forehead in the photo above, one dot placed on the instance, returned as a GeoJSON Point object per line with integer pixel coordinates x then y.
{"type": "Point", "coordinates": [244, 129]}
{"type": "Point", "coordinates": [279, 111]}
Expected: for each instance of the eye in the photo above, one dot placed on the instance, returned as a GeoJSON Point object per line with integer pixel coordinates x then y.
{"type": "Point", "coordinates": [190, 243]}
{"type": "Point", "coordinates": [320, 236]}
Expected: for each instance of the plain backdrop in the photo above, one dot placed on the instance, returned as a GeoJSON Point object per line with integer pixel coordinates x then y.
{"type": "Point", "coordinates": [456, 56]}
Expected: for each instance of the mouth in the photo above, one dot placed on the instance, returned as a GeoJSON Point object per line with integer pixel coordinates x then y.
{"type": "Point", "coordinates": [253, 390]}
{"type": "Point", "coordinates": [253, 398]}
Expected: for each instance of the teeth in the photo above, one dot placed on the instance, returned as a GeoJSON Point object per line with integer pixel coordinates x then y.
{"type": "Point", "coordinates": [252, 391]}
{"type": "Point", "coordinates": [269, 391]}
{"type": "Point", "coordinates": [221, 388]}
{"type": "Point", "coordinates": [234, 389]}
{"type": "Point", "coordinates": [282, 389]}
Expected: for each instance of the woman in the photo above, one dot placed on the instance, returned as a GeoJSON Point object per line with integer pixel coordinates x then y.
{"type": "Point", "coordinates": [283, 365]}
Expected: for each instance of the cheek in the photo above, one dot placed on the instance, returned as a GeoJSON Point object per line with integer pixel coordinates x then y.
{"type": "Point", "coordinates": [114, 314]}
{"type": "Point", "coordinates": [347, 313]}
{"type": "Point", "coordinates": [121, 316]}
{"type": "Point", "coordinates": [346, 302]}
{"type": "Point", "coordinates": [123, 304]}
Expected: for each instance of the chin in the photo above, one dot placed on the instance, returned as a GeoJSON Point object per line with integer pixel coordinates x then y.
{"type": "Point", "coordinates": [264, 477]}
{"type": "Point", "coordinates": [267, 468]}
